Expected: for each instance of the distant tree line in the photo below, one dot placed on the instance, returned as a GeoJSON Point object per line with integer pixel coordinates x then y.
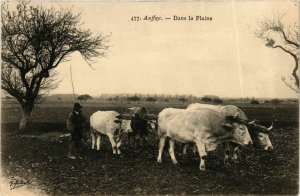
{"type": "Point", "coordinates": [155, 98]}
{"type": "Point", "coordinates": [211, 99]}
{"type": "Point", "coordinates": [166, 98]}
{"type": "Point", "coordinates": [254, 102]}
{"type": "Point", "coordinates": [273, 101]}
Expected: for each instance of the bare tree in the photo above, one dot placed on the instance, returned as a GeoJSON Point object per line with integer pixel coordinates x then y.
{"type": "Point", "coordinates": [35, 40]}
{"type": "Point", "coordinates": [286, 38]}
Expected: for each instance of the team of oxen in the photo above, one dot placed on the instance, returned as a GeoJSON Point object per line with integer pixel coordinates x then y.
{"type": "Point", "coordinates": [206, 126]}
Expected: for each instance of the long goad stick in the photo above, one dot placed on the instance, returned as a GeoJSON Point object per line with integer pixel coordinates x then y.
{"type": "Point", "coordinates": [72, 82]}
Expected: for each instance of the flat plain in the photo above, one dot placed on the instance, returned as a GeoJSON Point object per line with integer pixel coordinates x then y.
{"type": "Point", "coordinates": [39, 156]}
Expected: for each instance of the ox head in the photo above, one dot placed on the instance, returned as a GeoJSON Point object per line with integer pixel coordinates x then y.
{"type": "Point", "coordinates": [152, 125]}
{"type": "Point", "coordinates": [148, 122]}
{"type": "Point", "coordinates": [151, 121]}
{"type": "Point", "coordinates": [261, 135]}
{"type": "Point", "coordinates": [239, 130]}
{"type": "Point", "coordinates": [124, 123]}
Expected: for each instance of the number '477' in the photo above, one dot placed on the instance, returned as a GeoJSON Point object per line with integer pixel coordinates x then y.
{"type": "Point", "coordinates": [135, 18]}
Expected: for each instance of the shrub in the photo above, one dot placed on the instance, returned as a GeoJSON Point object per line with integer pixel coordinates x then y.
{"type": "Point", "coordinates": [276, 101]}
{"type": "Point", "coordinates": [84, 97]}
{"type": "Point", "coordinates": [211, 98]}
{"type": "Point", "coordinates": [254, 102]}
{"type": "Point", "coordinates": [134, 98]}
{"type": "Point", "coordinates": [206, 99]}
{"type": "Point", "coordinates": [217, 100]}
{"type": "Point", "coordinates": [151, 99]}
{"type": "Point", "coordinates": [182, 99]}
{"type": "Point", "coordinates": [166, 100]}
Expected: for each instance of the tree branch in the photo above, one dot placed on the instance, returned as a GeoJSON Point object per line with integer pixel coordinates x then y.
{"type": "Point", "coordinates": [287, 40]}
{"type": "Point", "coordinates": [294, 73]}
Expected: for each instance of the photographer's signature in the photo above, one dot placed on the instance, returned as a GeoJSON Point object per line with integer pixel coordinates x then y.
{"type": "Point", "coordinates": [16, 182]}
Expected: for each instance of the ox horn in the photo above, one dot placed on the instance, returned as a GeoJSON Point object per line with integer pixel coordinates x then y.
{"type": "Point", "coordinates": [227, 125]}
{"type": "Point", "coordinates": [271, 127]}
{"type": "Point", "coordinates": [151, 116]}
{"type": "Point", "coordinates": [124, 116]}
{"type": "Point", "coordinates": [236, 114]}
{"type": "Point", "coordinates": [117, 121]}
{"type": "Point", "coordinates": [252, 122]}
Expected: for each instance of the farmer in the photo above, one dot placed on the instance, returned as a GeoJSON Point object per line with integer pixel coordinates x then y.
{"type": "Point", "coordinates": [75, 124]}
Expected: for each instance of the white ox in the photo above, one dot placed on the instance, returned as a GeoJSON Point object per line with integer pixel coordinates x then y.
{"type": "Point", "coordinates": [207, 128]}
{"type": "Point", "coordinates": [107, 123]}
{"type": "Point", "coordinates": [259, 134]}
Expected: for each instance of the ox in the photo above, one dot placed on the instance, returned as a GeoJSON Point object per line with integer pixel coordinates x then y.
{"type": "Point", "coordinates": [258, 133]}
{"type": "Point", "coordinates": [107, 123]}
{"type": "Point", "coordinates": [141, 123]}
{"type": "Point", "coordinates": [205, 127]}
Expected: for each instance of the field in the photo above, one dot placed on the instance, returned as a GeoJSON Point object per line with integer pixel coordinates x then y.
{"type": "Point", "coordinates": [38, 158]}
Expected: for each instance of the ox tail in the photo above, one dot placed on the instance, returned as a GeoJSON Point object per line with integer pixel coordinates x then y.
{"type": "Point", "coordinates": [160, 127]}
{"type": "Point", "coordinates": [159, 131]}
{"type": "Point", "coordinates": [156, 125]}
{"type": "Point", "coordinates": [93, 132]}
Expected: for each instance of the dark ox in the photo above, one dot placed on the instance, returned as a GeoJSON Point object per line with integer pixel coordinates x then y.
{"type": "Point", "coordinates": [142, 123]}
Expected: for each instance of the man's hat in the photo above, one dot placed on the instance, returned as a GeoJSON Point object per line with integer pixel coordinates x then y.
{"type": "Point", "coordinates": [77, 106]}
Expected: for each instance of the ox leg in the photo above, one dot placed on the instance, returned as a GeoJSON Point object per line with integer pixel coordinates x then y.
{"type": "Point", "coordinates": [195, 149]}
{"type": "Point", "coordinates": [113, 144]}
{"type": "Point", "coordinates": [130, 135]}
{"type": "Point", "coordinates": [235, 154]}
{"type": "Point", "coordinates": [171, 152]}
{"type": "Point", "coordinates": [202, 154]}
{"type": "Point", "coordinates": [118, 146]}
{"type": "Point", "coordinates": [161, 147]}
{"type": "Point", "coordinates": [184, 150]}
{"type": "Point", "coordinates": [227, 154]}
{"type": "Point", "coordinates": [93, 137]}
{"type": "Point", "coordinates": [136, 140]}
{"type": "Point", "coordinates": [98, 141]}
{"type": "Point", "coordinates": [145, 141]}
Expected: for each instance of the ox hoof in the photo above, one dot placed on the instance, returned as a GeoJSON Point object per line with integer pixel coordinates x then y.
{"type": "Point", "coordinates": [119, 152]}
{"type": "Point", "coordinates": [235, 161]}
{"type": "Point", "coordinates": [176, 164]}
{"type": "Point", "coordinates": [158, 160]}
{"type": "Point", "coordinates": [226, 161]}
{"type": "Point", "coordinates": [227, 165]}
{"type": "Point", "coordinates": [202, 169]}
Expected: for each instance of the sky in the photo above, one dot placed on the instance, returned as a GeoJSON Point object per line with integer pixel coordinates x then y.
{"type": "Point", "coordinates": [220, 57]}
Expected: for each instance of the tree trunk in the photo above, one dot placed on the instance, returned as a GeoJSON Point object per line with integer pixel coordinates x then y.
{"type": "Point", "coordinates": [25, 116]}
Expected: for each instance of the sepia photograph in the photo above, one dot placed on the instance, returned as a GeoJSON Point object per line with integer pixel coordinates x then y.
{"type": "Point", "coordinates": [143, 97]}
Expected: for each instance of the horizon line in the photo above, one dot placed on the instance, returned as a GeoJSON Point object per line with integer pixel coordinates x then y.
{"type": "Point", "coordinates": [151, 94]}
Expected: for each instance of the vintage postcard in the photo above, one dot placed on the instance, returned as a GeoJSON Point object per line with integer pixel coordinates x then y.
{"type": "Point", "coordinates": [150, 97]}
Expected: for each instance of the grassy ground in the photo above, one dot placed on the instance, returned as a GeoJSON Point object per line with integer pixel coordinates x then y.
{"type": "Point", "coordinates": [39, 158]}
